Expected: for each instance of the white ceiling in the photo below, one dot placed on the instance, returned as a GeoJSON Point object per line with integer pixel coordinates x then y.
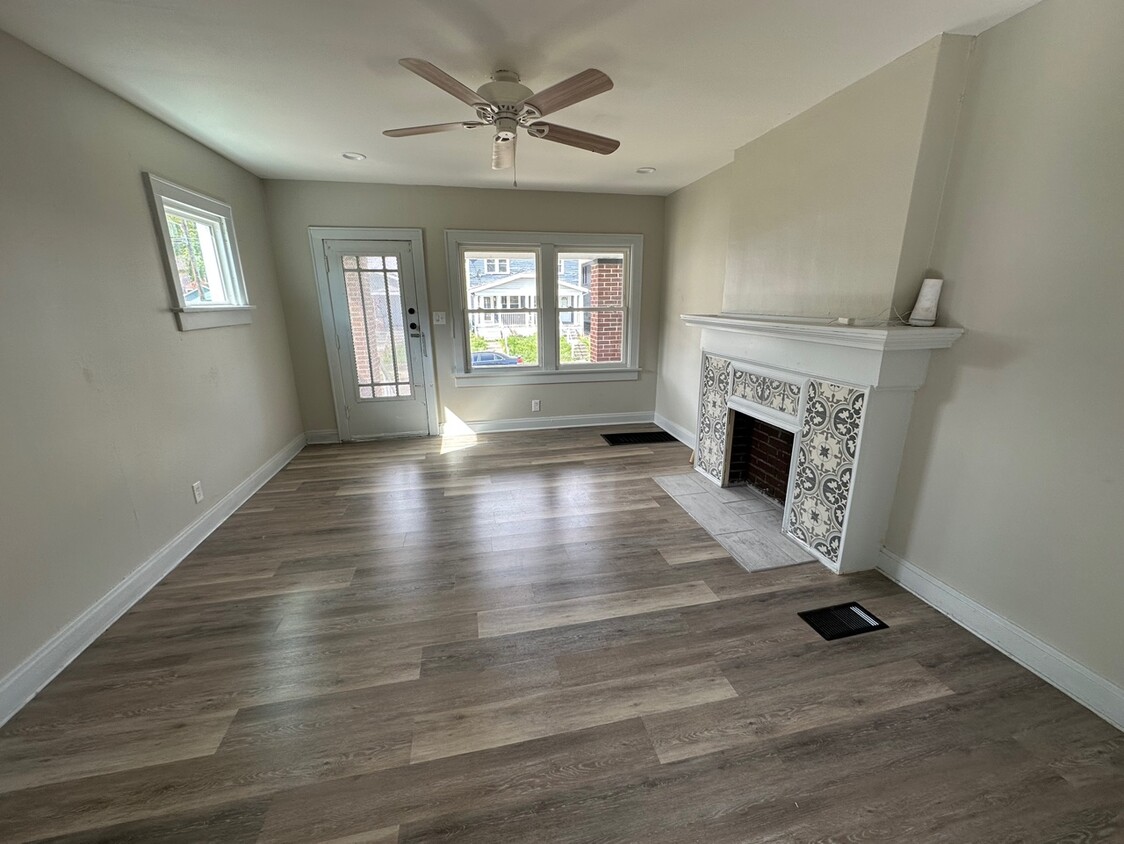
{"type": "Point", "coordinates": [284, 86]}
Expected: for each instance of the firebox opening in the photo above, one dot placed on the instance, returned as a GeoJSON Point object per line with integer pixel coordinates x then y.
{"type": "Point", "coordinates": [760, 456]}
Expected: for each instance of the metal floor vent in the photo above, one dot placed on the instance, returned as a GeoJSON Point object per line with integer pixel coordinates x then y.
{"type": "Point", "coordinates": [639, 437]}
{"type": "Point", "coordinates": [842, 620]}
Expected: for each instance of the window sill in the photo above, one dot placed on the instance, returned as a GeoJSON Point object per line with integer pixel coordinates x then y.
{"type": "Point", "coordinates": [190, 319]}
{"type": "Point", "coordinates": [488, 379]}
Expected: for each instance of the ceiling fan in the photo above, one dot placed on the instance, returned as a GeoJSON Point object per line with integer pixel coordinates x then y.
{"type": "Point", "coordinates": [507, 105]}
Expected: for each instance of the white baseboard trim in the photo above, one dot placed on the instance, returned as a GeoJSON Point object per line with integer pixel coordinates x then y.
{"type": "Point", "coordinates": [1089, 689]}
{"type": "Point", "coordinates": [676, 430]}
{"type": "Point", "coordinates": [35, 672]}
{"type": "Point", "coordinates": [491, 426]}
{"type": "Point", "coordinates": [324, 436]}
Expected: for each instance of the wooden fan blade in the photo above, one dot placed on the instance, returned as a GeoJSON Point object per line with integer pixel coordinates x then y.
{"type": "Point", "coordinates": [581, 86]}
{"type": "Point", "coordinates": [435, 75]}
{"type": "Point", "coordinates": [573, 137]}
{"type": "Point", "coordinates": [431, 128]}
{"type": "Point", "coordinates": [503, 154]}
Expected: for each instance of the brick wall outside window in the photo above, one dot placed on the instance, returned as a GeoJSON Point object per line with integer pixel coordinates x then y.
{"type": "Point", "coordinates": [606, 329]}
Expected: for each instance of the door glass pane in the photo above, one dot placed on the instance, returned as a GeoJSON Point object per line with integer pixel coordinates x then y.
{"type": "Point", "coordinates": [401, 363]}
{"type": "Point", "coordinates": [586, 336]}
{"type": "Point", "coordinates": [374, 302]}
{"type": "Point", "coordinates": [501, 289]}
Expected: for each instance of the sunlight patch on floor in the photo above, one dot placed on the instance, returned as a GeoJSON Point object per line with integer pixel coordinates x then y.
{"type": "Point", "coordinates": [457, 436]}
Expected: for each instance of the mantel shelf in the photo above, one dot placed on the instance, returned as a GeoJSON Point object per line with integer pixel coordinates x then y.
{"type": "Point", "coordinates": [881, 338]}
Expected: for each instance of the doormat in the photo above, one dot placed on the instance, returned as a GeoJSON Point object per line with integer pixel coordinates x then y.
{"type": "Point", "coordinates": [639, 437]}
{"type": "Point", "coordinates": [842, 620]}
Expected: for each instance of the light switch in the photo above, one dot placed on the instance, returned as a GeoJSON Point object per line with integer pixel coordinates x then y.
{"type": "Point", "coordinates": [438, 317]}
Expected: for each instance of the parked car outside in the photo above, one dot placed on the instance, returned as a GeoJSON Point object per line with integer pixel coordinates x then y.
{"type": "Point", "coordinates": [495, 359]}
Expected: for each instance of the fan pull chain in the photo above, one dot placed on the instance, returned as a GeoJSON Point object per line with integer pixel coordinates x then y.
{"type": "Point", "coordinates": [515, 172]}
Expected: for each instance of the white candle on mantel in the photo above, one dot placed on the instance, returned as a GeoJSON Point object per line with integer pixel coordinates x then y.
{"type": "Point", "coordinates": [924, 312]}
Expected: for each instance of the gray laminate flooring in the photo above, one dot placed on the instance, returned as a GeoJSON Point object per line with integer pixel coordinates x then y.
{"type": "Point", "coordinates": [522, 637]}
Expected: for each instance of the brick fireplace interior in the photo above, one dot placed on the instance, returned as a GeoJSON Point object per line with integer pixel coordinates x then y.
{"type": "Point", "coordinates": [760, 455]}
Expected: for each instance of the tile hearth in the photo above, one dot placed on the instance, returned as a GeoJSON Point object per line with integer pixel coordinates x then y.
{"type": "Point", "coordinates": [745, 523]}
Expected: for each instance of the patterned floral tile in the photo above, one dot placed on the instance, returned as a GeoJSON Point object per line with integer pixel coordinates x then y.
{"type": "Point", "coordinates": [825, 466]}
{"type": "Point", "coordinates": [782, 396]}
{"type": "Point", "coordinates": [710, 450]}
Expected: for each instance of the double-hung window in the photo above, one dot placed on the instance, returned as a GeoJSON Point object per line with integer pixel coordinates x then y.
{"type": "Point", "coordinates": [567, 308]}
{"type": "Point", "coordinates": [196, 235]}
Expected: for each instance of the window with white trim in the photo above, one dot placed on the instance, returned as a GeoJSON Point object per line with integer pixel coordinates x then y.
{"type": "Point", "coordinates": [196, 234]}
{"type": "Point", "coordinates": [496, 266]}
{"type": "Point", "coordinates": [568, 312]}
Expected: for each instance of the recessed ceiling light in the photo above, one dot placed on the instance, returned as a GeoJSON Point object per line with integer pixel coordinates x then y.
{"type": "Point", "coordinates": [354, 156]}
{"type": "Point", "coordinates": [645, 171]}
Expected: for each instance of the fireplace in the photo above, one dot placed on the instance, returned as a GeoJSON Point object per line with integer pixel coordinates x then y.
{"type": "Point", "coordinates": [760, 456]}
{"type": "Point", "coordinates": [834, 400]}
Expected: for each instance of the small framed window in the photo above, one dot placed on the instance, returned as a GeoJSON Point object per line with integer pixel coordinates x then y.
{"type": "Point", "coordinates": [196, 235]}
{"type": "Point", "coordinates": [496, 266]}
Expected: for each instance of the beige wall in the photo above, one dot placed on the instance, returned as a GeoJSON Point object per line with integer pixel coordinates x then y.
{"type": "Point", "coordinates": [108, 411]}
{"type": "Point", "coordinates": [931, 173]}
{"type": "Point", "coordinates": [294, 206]}
{"type": "Point", "coordinates": [698, 226]}
{"type": "Point", "coordinates": [831, 214]}
{"type": "Point", "coordinates": [820, 203]}
{"type": "Point", "coordinates": [1011, 486]}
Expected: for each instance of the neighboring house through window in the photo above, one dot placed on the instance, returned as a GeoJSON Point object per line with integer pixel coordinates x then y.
{"type": "Point", "coordinates": [566, 309]}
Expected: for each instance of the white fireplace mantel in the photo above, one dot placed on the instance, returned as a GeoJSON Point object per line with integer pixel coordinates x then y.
{"type": "Point", "coordinates": [859, 381]}
{"type": "Point", "coordinates": [831, 332]}
{"type": "Point", "coordinates": [886, 357]}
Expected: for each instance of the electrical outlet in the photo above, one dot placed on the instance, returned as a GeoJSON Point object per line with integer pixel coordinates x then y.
{"type": "Point", "coordinates": [536, 405]}
{"type": "Point", "coordinates": [438, 317]}
{"type": "Point", "coordinates": [197, 491]}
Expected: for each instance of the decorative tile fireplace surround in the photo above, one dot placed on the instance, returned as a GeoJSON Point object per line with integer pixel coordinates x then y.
{"type": "Point", "coordinates": [845, 392]}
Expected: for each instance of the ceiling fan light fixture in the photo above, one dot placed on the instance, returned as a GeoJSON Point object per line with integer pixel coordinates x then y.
{"type": "Point", "coordinates": [505, 128]}
{"type": "Point", "coordinates": [508, 105]}
{"type": "Point", "coordinates": [354, 156]}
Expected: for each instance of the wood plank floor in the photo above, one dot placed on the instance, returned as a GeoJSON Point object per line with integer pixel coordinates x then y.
{"type": "Point", "coordinates": [521, 637]}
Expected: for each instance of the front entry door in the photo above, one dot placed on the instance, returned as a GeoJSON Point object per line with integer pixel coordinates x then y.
{"type": "Point", "coordinates": [380, 338]}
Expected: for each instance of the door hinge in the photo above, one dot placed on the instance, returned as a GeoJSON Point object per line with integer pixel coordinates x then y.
{"type": "Point", "coordinates": [347, 410]}
{"type": "Point", "coordinates": [327, 263]}
{"type": "Point", "coordinates": [338, 346]}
